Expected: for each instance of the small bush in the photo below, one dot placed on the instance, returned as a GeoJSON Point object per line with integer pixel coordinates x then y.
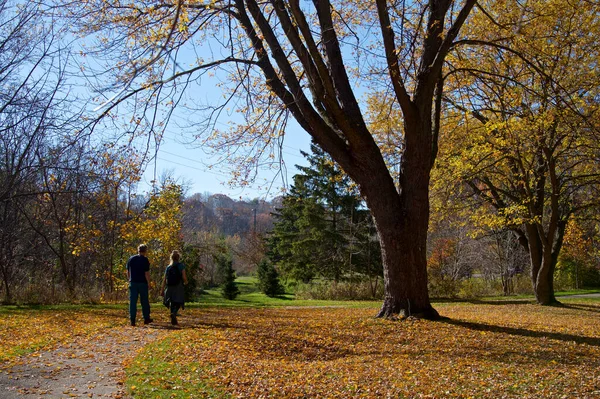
{"type": "Point", "coordinates": [443, 287]}
{"type": "Point", "coordinates": [229, 289]}
{"type": "Point", "coordinates": [268, 279]}
{"type": "Point", "coordinates": [479, 287]}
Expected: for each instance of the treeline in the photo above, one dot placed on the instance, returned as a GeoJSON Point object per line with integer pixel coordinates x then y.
{"type": "Point", "coordinates": [62, 196]}
{"type": "Point", "coordinates": [69, 213]}
{"type": "Point", "coordinates": [324, 241]}
{"type": "Point", "coordinates": [500, 181]}
{"type": "Point", "coordinates": [66, 232]}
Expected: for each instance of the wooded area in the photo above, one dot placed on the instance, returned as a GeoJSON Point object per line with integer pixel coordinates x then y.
{"type": "Point", "coordinates": [455, 143]}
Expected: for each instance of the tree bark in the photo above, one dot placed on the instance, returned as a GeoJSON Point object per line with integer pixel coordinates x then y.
{"type": "Point", "coordinates": [543, 252]}
{"type": "Point", "coordinates": [543, 283]}
{"type": "Point", "coordinates": [406, 291]}
{"type": "Point", "coordinates": [402, 221]}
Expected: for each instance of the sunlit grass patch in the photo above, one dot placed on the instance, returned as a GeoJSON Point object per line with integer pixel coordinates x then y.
{"type": "Point", "coordinates": [157, 372]}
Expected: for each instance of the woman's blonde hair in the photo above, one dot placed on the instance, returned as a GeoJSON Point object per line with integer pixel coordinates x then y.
{"type": "Point", "coordinates": [175, 256]}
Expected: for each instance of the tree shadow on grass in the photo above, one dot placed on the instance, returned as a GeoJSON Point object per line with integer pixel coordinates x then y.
{"type": "Point", "coordinates": [486, 302]}
{"type": "Point", "coordinates": [579, 306]}
{"type": "Point", "coordinates": [284, 297]}
{"type": "Point", "coordinates": [523, 332]}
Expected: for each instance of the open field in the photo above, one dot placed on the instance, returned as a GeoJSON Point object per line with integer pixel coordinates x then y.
{"type": "Point", "coordinates": [502, 349]}
{"type": "Point", "coordinates": [482, 350]}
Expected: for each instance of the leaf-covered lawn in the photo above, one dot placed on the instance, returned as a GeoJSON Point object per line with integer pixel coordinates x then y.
{"type": "Point", "coordinates": [497, 350]}
{"type": "Point", "coordinates": [23, 330]}
{"type": "Point", "coordinates": [481, 351]}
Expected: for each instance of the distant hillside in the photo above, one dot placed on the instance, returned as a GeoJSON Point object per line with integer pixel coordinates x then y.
{"type": "Point", "coordinates": [219, 213]}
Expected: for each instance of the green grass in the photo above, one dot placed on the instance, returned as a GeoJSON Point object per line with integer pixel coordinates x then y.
{"type": "Point", "coordinates": [6, 309]}
{"type": "Point", "coordinates": [153, 373]}
{"type": "Point", "coordinates": [250, 296]}
{"type": "Point", "coordinates": [531, 297]}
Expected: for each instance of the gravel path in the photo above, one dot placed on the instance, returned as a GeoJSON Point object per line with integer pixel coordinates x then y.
{"type": "Point", "coordinates": [85, 368]}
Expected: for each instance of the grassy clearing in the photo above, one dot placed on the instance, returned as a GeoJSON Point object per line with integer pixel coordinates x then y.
{"type": "Point", "coordinates": [251, 297]}
{"type": "Point", "coordinates": [482, 350]}
{"type": "Point", "coordinates": [259, 347]}
{"type": "Point", "coordinates": [24, 329]}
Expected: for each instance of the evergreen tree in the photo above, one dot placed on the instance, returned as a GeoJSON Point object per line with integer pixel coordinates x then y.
{"type": "Point", "coordinates": [191, 256]}
{"type": "Point", "coordinates": [229, 289]}
{"type": "Point", "coordinates": [322, 228]}
{"type": "Point", "coordinates": [268, 279]}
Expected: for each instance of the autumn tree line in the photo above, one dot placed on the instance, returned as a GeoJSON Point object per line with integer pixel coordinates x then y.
{"type": "Point", "coordinates": [467, 133]}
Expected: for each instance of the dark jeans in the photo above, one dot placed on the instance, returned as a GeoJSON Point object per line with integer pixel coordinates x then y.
{"type": "Point", "coordinates": [138, 290]}
{"type": "Point", "coordinates": [174, 307]}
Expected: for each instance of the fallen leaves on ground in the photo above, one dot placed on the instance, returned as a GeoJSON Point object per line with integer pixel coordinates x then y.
{"type": "Point", "coordinates": [25, 330]}
{"type": "Point", "coordinates": [84, 352]}
{"type": "Point", "coordinates": [480, 351]}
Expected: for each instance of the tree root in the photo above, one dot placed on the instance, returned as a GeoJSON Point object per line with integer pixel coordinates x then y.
{"type": "Point", "coordinates": [386, 312]}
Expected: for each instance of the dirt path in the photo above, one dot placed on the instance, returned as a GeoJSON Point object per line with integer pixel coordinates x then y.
{"type": "Point", "coordinates": [89, 367]}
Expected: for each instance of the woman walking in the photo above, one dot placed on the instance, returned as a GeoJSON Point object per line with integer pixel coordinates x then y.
{"type": "Point", "coordinates": [173, 286]}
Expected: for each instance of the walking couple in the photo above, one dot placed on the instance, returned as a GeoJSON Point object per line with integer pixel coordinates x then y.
{"type": "Point", "coordinates": [173, 281]}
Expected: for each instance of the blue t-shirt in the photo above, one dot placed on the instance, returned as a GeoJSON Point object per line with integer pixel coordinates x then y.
{"type": "Point", "coordinates": [138, 265]}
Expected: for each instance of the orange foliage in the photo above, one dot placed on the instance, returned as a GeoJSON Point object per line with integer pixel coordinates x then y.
{"type": "Point", "coordinates": [575, 245]}
{"type": "Point", "coordinates": [442, 250]}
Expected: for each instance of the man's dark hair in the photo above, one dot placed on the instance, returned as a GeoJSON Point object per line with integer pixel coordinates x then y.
{"type": "Point", "coordinates": [142, 248]}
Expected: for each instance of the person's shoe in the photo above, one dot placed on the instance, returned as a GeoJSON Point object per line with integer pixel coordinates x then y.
{"type": "Point", "coordinates": [174, 320]}
{"type": "Point", "coordinates": [148, 321]}
{"type": "Point", "coordinates": [133, 323]}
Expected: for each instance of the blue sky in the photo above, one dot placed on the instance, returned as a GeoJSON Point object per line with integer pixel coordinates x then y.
{"type": "Point", "coordinates": [191, 165]}
{"type": "Point", "coordinates": [188, 163]}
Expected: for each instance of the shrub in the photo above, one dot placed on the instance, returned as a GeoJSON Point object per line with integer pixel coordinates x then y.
{"type": "Point", "coordinates": [268, 279]}
{"type": "Point", "coordinates": [229, 289]}
{"type": "Point", "coordinates": [443, 287]}
{"type": "Point", "coordinates": [479, 287]}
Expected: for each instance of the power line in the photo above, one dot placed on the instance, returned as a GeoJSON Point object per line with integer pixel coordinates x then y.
{"type": "Point", "coordinates": [202, 163]}
{"type": "Point", "coordinates": [192, 167]}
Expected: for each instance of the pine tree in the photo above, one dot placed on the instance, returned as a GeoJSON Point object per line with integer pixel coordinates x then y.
{"type": "Point", "coordinates": [229, 289]}
{"type": "Point", "coordinates": [268, 279]}
{"type": "Point", "coordinates": [322, 228]}
{"type": "Point", "coordinates": [192, 263]}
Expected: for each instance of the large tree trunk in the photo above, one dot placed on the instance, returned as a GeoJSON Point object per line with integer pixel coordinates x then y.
{"type": "Point", "coordinates": [543, 252]}
{"type": "Point", "coordinates": [402, 220]}
{"type": "Point", "coordinates": [543, 282]}
{"type": "Point", "coordinates": [405, 271]}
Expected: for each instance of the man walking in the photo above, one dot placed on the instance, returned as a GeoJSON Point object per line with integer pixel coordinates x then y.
{"type": "Point", "coordinates": [138, 274]}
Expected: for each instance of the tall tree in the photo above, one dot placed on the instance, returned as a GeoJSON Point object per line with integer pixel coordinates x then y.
{"type": "Point", "coordinates": [524, 138]}
{"type": "Point", "coordinates": [287, 58]}
{"type": "Point", "coordinates": [33, 117]}
{"type": "Point", "coordinates": [322, 228]}
{"type": "Point", "coordinates": [158, 224]}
